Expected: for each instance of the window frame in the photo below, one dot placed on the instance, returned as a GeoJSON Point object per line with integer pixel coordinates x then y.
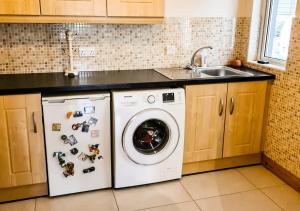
{"type": "Point", "coordinates": [266, 12]}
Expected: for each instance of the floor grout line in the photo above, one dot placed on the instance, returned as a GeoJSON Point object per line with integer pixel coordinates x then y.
{"type": "Point", "coordinates": [259, 189]}
{"type": "Point", "coordinates": [271, 199]}
{"type": "Point", "coordinates": [164, 205]}
{"type": "Point", "coordinates": [189, 194]}
{"type": "Point", "coordinates": [226, 194]}
{"type": "Point", "coordinates": [115, 199]}
{"type": "Point", "coordinates": [254, 188]}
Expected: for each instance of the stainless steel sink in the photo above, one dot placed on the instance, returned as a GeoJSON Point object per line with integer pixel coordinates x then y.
{"type": "Point", "coordinates": [209, 72]}
{"type": "Point", "coordinates": [223, 72]}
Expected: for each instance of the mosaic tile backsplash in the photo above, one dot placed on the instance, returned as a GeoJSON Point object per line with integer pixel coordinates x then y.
{"type": "Point", "coordinates": [27, 48]}
{"type": "Point", "coordinates": [282, 141]}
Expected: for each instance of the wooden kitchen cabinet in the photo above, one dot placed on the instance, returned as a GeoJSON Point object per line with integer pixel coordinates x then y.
{"type": "Point", "coordinates": [244, 118]}
{"type": "Point", "coordinates": [205, 115]}
{"type": "Point", "coordinates": [135, 8]}
{"type": "Point", "coordinates": [22, 155]}
{"type": "Point", "coordinates": [19, 7]}
{"type": "Point", "coordinates": [74, 7]}
{"type": "Point", "coordinates": [217, 140]}
{"type": "Point", "coordinates": [82, 11]}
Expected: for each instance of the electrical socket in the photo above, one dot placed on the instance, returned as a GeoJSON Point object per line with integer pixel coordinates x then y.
{"type": "Point", "coordinates": [87, 52]}
{"type": "Point", "coordinates": [170, 50]}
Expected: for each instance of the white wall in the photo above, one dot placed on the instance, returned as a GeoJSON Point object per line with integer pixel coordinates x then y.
{"type": "Point", "coordinates": [208, 8]}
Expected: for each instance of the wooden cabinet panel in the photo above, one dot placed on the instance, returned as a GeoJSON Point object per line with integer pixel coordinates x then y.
{"type": "Point", "coordinates": [135, 8]}
{"type": "Point", "coordinates": [22, 157]}
{"type": "Point", "coordinates": [244, 118]}
{"type": "Point", "coordinates": [19, 7]}
{"type": "Point", "coordinates": [74, 7]}
{"type": "Point", "coordinates": [205, 114]}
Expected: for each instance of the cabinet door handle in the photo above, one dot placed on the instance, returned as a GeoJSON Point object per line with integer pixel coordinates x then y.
{"type": "Point", "coordinates": [221, 107]}
{"type": "Point", "coordinates": [34, 123]}
{"type": "Point", "coordinates": [231, 105]}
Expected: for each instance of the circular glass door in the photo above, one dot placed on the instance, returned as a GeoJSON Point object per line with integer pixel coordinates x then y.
{"type": "Point", "coordinates": [150, 137]}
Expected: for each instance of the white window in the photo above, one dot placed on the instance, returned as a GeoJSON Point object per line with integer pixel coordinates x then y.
{"type": "Point", "coordinates": [276, 28]}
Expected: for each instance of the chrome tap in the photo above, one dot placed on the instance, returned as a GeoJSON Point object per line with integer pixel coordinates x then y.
{"type": "Point", "coordinates": [203, 58]}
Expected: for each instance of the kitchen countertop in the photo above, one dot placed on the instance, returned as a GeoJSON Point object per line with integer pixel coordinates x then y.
{"type": "Point", "coordinates": [52, 83]}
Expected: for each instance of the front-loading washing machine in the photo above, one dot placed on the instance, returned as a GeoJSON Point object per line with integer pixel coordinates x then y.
{"type": "Point", "coordinates": [148, 136]}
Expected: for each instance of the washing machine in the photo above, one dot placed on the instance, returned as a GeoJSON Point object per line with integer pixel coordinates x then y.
{"type": "Point", "coordinates": [148, 136]}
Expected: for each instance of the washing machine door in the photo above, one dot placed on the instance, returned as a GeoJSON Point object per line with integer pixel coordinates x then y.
{"type": "Point", "coordinates": [150, 137]}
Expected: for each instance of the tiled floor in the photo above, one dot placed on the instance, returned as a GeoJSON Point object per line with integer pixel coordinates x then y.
{"type": "Point", "coordinates": [243, 189]}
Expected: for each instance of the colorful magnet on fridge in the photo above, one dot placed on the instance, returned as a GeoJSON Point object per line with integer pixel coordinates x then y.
{"type": "Point", "coordinates": [77, 114]}
{"type": "Point", "coordinates": [92, 121]}
{"type": "Point", "coordinates": [60, 156]}
{"type": "Point", "coordinates": [72, 140]}
{"type": "Point", "coordinates": [92, 158]}
{"type": "Point", "coordinates": [89, 109]}
{"type": "Point", "coordinates": [89, 170]}
{"type": "Point", "coordinates": [69, 114]}
{"type": "Point", "coordinates": [94, 148]}
{"type": "Point", "coordinates": [100, 157]}
{"type": "Point", "coordinates": [74, 151]}
{"type": "Point", "coordinates": [69, 169]}
{"type": "Point", "coordinates": [95, 133]}
{"type": "Point", "coordinates": [82, 156]}
{"type": "Point", "coordinates": [76, 126]}
{"type": "Point", "coordinates": [56, 127]}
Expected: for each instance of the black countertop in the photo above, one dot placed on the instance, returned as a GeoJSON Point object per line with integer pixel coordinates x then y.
{"type": "Point", "coordinates": [52, 83]}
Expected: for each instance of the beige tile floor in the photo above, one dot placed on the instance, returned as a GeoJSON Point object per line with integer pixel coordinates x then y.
{"type": "Point", "coordinates": [242, 189]}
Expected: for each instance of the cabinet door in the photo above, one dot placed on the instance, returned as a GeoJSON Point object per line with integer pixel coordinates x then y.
{"type": "Point", "coordinates": [74, 7]}
{"type": "Point", "coordinates": [22, 157]}
{"type": "Point", "coordinates": [244, 118]}
{"type": "Point", "coordinates": [19, 7]}
{"type": "Point", "coordinates": [205, 116]}
{"type": "Point", "coordinates": [135, 8]}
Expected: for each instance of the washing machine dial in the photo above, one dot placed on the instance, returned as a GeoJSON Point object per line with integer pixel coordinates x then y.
{"type": "Point", "coordinates": [151, 99]}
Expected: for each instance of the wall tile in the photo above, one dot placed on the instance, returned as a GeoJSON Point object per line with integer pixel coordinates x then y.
{"type": "Point", "coordinates": [27, 48]}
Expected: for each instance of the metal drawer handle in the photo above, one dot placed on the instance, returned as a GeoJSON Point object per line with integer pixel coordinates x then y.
{"type": "Point", "coordinates": [231, 105]}
{"type": "Point", "coordinates": [221, 107]}
{"type": "Point", "coordinates": [34, 123]}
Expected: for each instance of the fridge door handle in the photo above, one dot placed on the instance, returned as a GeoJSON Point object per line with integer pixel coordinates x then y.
{"type": "Point", "coordinates": [56, 101]}
{"type": "Point", "coordinates": [98, 98]}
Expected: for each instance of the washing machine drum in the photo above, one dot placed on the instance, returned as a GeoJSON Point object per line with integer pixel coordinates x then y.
{"type": "Point", "coordinates": [150, 137]}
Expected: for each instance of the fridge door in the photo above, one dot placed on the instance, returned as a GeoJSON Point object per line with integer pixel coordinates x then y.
{"type": "Point", "coordinates": [78, 158]}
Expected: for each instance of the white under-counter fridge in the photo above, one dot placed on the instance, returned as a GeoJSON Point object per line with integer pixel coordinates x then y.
{"type": "Point", "coordinates": [78, 142]}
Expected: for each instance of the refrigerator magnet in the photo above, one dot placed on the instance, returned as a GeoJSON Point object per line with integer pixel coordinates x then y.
{"type": "Point", "coordinates": [89, 110]}
{"type": "Point", "coordinates": [82, 156]}
{"type": "Point", "coordinates": [74, 151]}
{"type": "Point", "coordinates": [69, 169]}
{"type": "Point", "coordinates": [89, 170]}
{"type": "Point", "coordinates": [85, 127]}
{"type": "Point", "coordinates": [69, 114]}
{"type": "Point", "coordinates": [95, 133]}
{"type": "Point", "coordinates": [92, 121]}
{"type": "Point", "coordinates": [56, 127]}
{"type": "Point", "coordinates": [78, 114]}
{"type": "Point", "coordinates": [72, 140]}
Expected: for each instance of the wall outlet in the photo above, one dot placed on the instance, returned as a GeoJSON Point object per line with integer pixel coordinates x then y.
{"type": "Point", "coordinates": [170, 50]}
{"type": "Point", "coordinates": [87, 52]}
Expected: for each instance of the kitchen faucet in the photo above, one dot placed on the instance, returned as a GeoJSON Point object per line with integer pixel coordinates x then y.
{"type": "Point", "coordinates": [203, 58]}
